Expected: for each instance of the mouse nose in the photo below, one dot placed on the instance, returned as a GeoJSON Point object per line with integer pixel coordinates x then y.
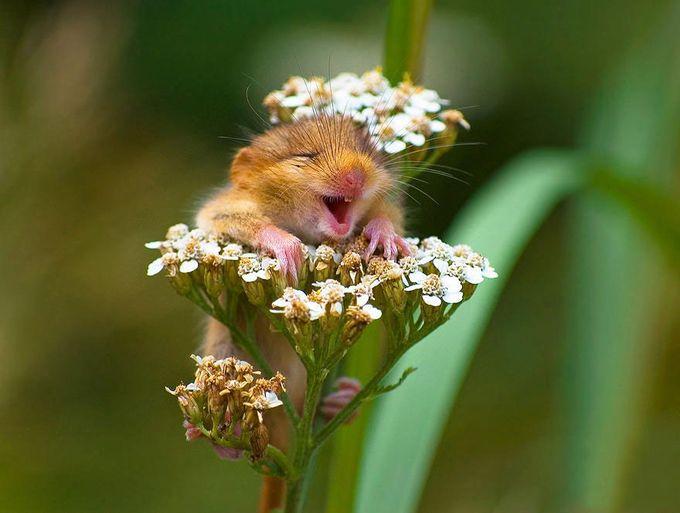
{"type": "Point", "coordinates": [353, 181]}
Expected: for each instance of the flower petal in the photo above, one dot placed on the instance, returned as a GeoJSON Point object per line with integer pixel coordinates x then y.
{"type": "Point", "coordinates": [155, 267]}
{"type": "Point", "coordinates": [441, 265]}
{"type": "Point", "coordinates": [453, 296]}
{"type": "Point", "coordinates": [395, 146]}
{"type": "Point", "coordinates": [374, 312]}
{"type": "Point", "coordinates": [473, 275]}
{"type": "Point", "coordinates": [451, 283]}
{"type": "Point", "coordinates": [432, 300]}
{"type": "Point", "coordinates": [188, 266]}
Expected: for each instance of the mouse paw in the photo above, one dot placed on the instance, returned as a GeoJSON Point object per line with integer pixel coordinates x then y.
{"type": "Point", "coordinates": [331, 405]}
{"type": "Point", "coordinates": [287, 249]}
{"type": "Point", "coordinates": [380, 233]}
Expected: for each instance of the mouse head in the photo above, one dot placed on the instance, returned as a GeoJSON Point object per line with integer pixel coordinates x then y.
{"type": "Point", "coordinates": [314, 177]}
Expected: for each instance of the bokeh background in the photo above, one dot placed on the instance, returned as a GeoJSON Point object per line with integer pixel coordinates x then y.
{"type": "Point", "coordinates": [114, 124]}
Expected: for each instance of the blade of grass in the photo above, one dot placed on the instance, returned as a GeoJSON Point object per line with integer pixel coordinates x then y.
{"type": "Point", "coordinates": [407, 425]}
{"type": "Point", "coordinates": [348, 442]}
{"type": "Point", "coordinates": [406, 26]}
{"type": "Point", "coordinates": [612, 329]}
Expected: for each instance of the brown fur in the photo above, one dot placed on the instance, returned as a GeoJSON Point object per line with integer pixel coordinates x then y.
{"type": "Point", "coordinates": [279, 180]}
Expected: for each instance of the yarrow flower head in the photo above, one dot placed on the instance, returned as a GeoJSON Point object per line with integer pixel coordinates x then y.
{"type": "Point", "coordinates": [228, 398]}
{"type": "Point", "coordinates": [397, 117]}
{"type": "Point", "coordinates": [435, 289]}
{"type": "Point", "coordinates": [339, 273]}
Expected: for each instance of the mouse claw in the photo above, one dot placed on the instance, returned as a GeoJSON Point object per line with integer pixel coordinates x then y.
{"type": "Point", "coordinates": [285, 247]}
{"type": "Point", "coordinates": [380, 233]}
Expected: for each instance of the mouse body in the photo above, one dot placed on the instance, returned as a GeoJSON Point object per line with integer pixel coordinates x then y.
{"type": "Point", "coordinates": [306, 182]}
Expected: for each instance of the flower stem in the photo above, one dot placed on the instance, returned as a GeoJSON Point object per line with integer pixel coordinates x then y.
{"type": "Point", "coordinates": [363, 394]}
{"type": "Point", "coordinates": [304, 446]}
{"type": "Point", "coordinates": [244, 342]}
{"type": "Point", "coordinates": [272, 453]}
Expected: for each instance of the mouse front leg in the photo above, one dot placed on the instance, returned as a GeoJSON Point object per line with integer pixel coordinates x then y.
{"type": "Point", "coordinates": [234, 214]}
{"type": "Point", "coordinates": [383, 230]}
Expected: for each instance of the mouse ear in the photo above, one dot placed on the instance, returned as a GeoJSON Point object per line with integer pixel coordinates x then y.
{"type": "Point", "coordinates": [243, 161]}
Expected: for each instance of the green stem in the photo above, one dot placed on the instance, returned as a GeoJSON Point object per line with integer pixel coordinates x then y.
{"type": "Point", "coordinates": [304, 446]}
{"type": "Point", "coordinates": [363, 394]}
{"type": "Point", "coordinates": [272, 453]}
{"type": "Point", "coordinates": [245, 343]}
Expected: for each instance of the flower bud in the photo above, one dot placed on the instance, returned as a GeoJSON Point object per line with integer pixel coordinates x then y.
{"type": "Point", "coordinates": [350, 269]}
{"type": "Point", "coordinates": [213, 274]}
{"type": "Point", "coordinates": [253, 275]}
{"type": "Point", "coordinates": [357, 319]}
{"type": "Point", "coordinates": [259, 440]}
{"type": "Point", "coordinates": [187, 402]}
{"type": "Point", "coordinates": [324, 263]}
{"type": "Point", "coordinates": [182, 283]}
{"type": "Point", "coordinates": [392, 285]}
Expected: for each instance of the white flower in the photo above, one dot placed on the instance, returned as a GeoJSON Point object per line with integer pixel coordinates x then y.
{"type": "Point", "coordinates": [427, 100]}
{"type": "Point", "coordinates": [321, 257]}
{"type": "Point", "coordinates": [395, 116]}
{"type": "Point", "coordinates": [168, 261]}
{"type": "Point", "coordinates": [250, 268]}
{"type": "Point", "coordinates": [473, 275]}
{"type": "Point", "coordinates": [363, 291]}
{"type": "Point", "coordinates": [475, 267]}
{"type": "Point", "coordinates": [304, 113]}
{"type": "Point", "coordinates": [439, 253]}
{"type": "Point", "coordinates": [332, 293]}
{"type": "Point", "coordinates": [174, 233]}
{"type": "Point", "coordinates": [232, 251]}
{"type": "Point", "coordinates": [435, 289]}
{"type": "Point", "coordinates": [412, 270]}
{"type": "Point", "coordinates": [295, 302]}
{"type": "Point", "coordinates": [289, 294]}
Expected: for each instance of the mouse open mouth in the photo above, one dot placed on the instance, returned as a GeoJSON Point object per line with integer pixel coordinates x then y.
{"type": "Point", "coordinates": [339, 207]}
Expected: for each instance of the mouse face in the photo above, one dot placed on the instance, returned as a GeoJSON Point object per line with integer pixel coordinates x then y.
{"type": "Point", "coordinates": [316, 178]}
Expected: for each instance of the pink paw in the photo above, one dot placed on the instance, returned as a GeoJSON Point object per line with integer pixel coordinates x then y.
{"type": "Point", "coordinates": [287, 249]}
{"type": "Point", "coordinates": [333, 403]}
{"type": "Point", "coordinates": [380, 232]}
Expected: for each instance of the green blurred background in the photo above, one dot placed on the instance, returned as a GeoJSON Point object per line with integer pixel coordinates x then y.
{"type": "Point", "coordinates": [112, 125]}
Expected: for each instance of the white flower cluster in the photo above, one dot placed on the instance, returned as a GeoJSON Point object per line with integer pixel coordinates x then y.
{"type": "Point", "coordinates": [397, 117]}
{"type": "Point", "coordinates": [330, 297]}
{"type": "Point", "coordinates": [334, 279]}
{"type": "Point", "coordinates": [455, 266]}
{"type": "Point", "coordinates": [184, 249]}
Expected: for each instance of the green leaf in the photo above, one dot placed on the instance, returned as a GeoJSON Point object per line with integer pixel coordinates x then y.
{"type": "Point", "coordinates": [388, 388]}
{"type": "Point", "coordinates": [407, 426]}
{"type": "Point", "coordinates": [406, 26]}
{"type": "Point", "coordinates": [654, 209]}
{"type": "Point", "coordinates": [348, 441]}
{"type": "Point", "coordinates": [613, 328]}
